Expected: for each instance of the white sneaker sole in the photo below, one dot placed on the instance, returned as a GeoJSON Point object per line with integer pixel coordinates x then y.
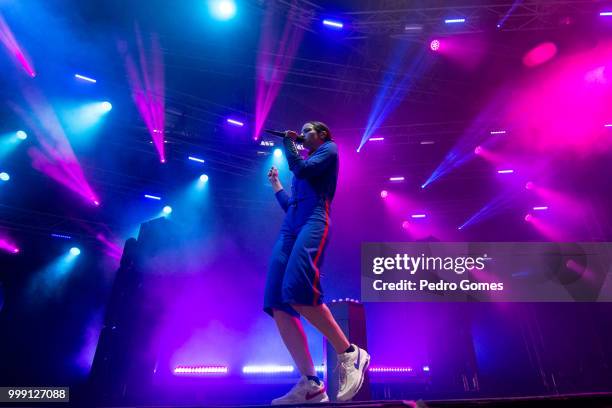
{"type": "Point", "coordinates": [319, 398]}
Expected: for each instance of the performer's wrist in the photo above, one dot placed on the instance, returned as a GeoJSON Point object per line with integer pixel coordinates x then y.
{"type": "Point", "coordinates": [277, 187]}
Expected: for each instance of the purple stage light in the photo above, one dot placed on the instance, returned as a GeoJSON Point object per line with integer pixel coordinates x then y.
{"type": "Point", "coordinates": [267, 369]}
{"type": "Point", "coordinates": [418, 216]}
{"type": "Point", "coordinates": [434, 45]}
{"type": "Point", "coordinates": [506, 171]}
{"type": "Point", "coordinates": [62, 236]}
{"type": "Point", "coordinates": [384, 194]}
{"type": "Point", "coordinates": [13, 48]}
{"type": "Point", "coordinates": [147, 85]}
{"type": "Point", "coordinates": [235, 122]}
{"type": "Point", "coordinates": [454, 20]}
{"type": "Point", "coordinates": [201, 370]}
{"type": "Point", "coordinates": [498, 132]}
{"type": "Point", "coordinates": [478, 150]}
{"type": "Point", "coordinates": [427, 142]}
{"type": "Point", "coordinates": [529, 185]}
{"type": "Point", "coordinates": [398, 178]}
{"type": "Point", "coordinates": [8, 246]}
{"type": "Point", "coordinates": [195, 159]}
{"type": "Point", "coordinates": [606, 14]}
{"type": "Point", "coordinates": [528, 217]}
{"type": "Point", "coordinates": [152, 197]}
{"type": "Point", "coordinates": [376, 139]}
{"type": "Point", "coordinates": [333, 24]}
{"type": "Point", "coordinates": [390, 369]}
{"type": "Point", "coordinates": [540, 208]}
{"type": "Point", "coordinates": [405, 225]}
{"type": "Point", "coordinates": [84, 78]}
{"type": "Point", "coordinates": [426, 368]}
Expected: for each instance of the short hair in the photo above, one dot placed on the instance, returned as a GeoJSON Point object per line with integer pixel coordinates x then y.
{"type": "Point", "coordinates": [320, 127]}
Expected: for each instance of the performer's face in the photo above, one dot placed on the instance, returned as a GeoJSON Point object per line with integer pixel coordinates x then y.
{"type": "Point", "coordinates": [312, 139]}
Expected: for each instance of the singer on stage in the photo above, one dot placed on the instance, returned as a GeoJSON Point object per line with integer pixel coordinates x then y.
{"type": "Point", "coordinates": [293, 285]}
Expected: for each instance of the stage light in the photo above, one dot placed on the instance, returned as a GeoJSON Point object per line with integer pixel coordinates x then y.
{"type": "Point", "coordinates": [506, 171]}
{"type": "Point", "coordinates": [267, 369]}
{"type": "Point", "coordinates": [454, 20]}
{"type": "Point", "coordinates": [540, 208]}
{"type": "Point", "coordinates": [528, 217]}
{"type": "Point", "coordinates": [167, 210]}
{"type": "Point", "coordinates": [399, 178]}
{"type": "Point", "coordinates": [529, 185]}
{"type": "Point", "coordinates": [498, 132]}
{"type": "Point", "coordinates": [201, 370]}
{"type": "Point", "coordinates": [84, 78]}
{"type": "Point", "coordinates": [427, 142]}
{"type": "Point", "coordinates": [413, 27]}
{"type": "Point", "coordinates": [106, 106]}
{"type": "Point", "coordinates": [390, 369]}
{"type": "Point", "coordinates": [152, 197]}
{"type": "Point", "coordinates": [608, 125]}
{"type": "Point", "coordinates": [74, 251]}
{"type": "Point", "coordinates": [21, 135]}
{"type": "Point", "coordinates": [426, 368]}
{"type": "Point", "coordinates": [278, 153]}
{"type": "Point", "coordinates": [606, 14]}
{"type": "Point", "coordinates": [434, 45]}
{"type": "Point", "coordinates": [15, 250]}
{"type": "Point", "coordinates": [4, 176]}
{"type": "Point", "coordinates": [478, 150]}
{"type": "Point", "coordinates": [203, 178]}
{"type": "Point", "coordinates": [195, 159]}
{"type": "Point", "coordinates": [376, 139]}
{"type": "Point", "coordinates": [418, 216]}
{"type": "Point", "coordinates": [384, 194]}
{"type": "Point", "coordinates": [62, 236]}
{"type": "Point", "coordinates": [405, 225]}
{"type": "Point", "coordinates": [222, 9]}
{"type": "Point", "coordinates": [333, 24]}
{"type": "Point", "coordinates": [235, 122]}
{"type": "Point", "coordinates": [95, 202]}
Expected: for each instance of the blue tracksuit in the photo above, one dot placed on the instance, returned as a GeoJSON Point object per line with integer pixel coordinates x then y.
{"type": "Point", "coordinates": [293, 276]}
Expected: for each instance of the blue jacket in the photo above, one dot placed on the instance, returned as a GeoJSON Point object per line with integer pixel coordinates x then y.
{"type": "Point", "coordinates": [314, 178]}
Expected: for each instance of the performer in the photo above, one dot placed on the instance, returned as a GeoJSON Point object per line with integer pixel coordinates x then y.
{"type": "Point", "coordinates": [293, 286]}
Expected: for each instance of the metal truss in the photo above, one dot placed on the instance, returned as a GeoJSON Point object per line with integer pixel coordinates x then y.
{"type": "Point", "coordinates": [401, 18]}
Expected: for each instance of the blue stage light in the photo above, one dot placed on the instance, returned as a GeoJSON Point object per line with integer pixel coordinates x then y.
{"type": "Point", "coordinates": [278, 153]}
{"type": "Point", "coordinates": [222, 9]}
{"type": "Point", "coordinates": [21, 135]}
{"type": "Point", "coordinates": [4, 176]}
{"type": "Point", "coordinates": [203, 178]}
{"type": "Point", "coordinates": [107, 106]}
{"type": "Point", "coordinates": [167, 210]}
{"type": "Point", "coordinates": [74, 251]}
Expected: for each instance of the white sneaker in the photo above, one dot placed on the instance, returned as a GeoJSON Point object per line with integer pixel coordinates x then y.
{"type": "Point", "coordinates": [351, 371]}
{"type": "Point", "coordinates": [304, 392]}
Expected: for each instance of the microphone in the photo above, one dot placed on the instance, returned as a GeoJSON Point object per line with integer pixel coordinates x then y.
{"type": "Point", "coordinates": [300, 138]}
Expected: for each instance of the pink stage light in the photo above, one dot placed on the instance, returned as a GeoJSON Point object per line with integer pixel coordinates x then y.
{"type": "Point", "coordinates": [540, 208]}
{"type": "Point", "coordinates": [376, 139]}
{"type": "Point", "coordinates": [7, 245]}
{"type": "Point", "coordinates": [384, 194]}
{"type": "Point", "coordinates": [540, 54]}
{"type": "Point", "coordinates": [12, 46]}
{"type": "Point", "coordinates": [528, 217]}
{"type": "Point", "coordinates": [398, 178]}
{"type": "Point", "coordinates": [274, 58]}
{"type": "Point", "coordinates": [147, 83]}
{"type": "Point", "coordinates": [434, 45]}
{"type": "Point", "coordinates": [418, 216]}
{"type": "Point", "coordinates": [498, 132]}
{"type": "Point", "coordinates": [529, 185]}
{"type": "Point", "coordinates": [478, 150]}
{"type": "Point", "coordinates": [506, 171]}
{"type": "Point", "coordinates": [606, 14]}
{"type": "Point", "coordinates": [267, 369]}
{"type": "Point", "coordinates": [405, 225]}
{"type": "Point", "coordinates": [54, 155]}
